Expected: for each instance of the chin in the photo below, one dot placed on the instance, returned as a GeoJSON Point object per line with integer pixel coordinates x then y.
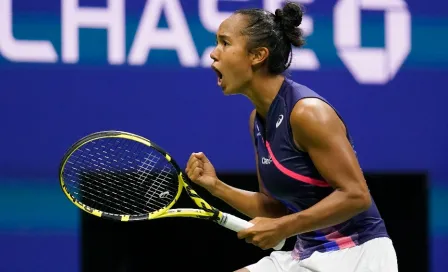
{"type": "Point", "coordinates": [225, 91]}
{"type": "Point", "coordinates": [229, 91]}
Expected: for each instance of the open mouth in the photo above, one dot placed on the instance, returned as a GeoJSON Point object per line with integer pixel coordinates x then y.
{"type": "Point", "coordinates": [219, 74]}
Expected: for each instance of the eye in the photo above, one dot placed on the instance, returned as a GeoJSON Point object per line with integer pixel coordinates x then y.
{"type": "Point", "coordinates": [223, 42]}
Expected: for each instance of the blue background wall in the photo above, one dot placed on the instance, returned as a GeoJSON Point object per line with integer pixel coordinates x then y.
{"type": "Point", "coordinates": [399, 124]}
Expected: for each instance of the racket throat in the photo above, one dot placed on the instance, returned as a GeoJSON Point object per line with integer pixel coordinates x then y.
{"type": "Point", "coordinates": [217, 215]}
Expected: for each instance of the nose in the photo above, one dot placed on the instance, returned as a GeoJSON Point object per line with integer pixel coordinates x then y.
{"type": "Point", "coordinates": [214, 55]}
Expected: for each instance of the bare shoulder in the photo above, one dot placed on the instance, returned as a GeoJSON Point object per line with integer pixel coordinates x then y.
{"type": "Point", "coordinates": [313, 120]}
{"type": "Point", "coordinates": [312, 110]}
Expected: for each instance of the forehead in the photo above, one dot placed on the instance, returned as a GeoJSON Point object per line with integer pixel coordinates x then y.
{"type": "Point", "coordinates": [232, 26]}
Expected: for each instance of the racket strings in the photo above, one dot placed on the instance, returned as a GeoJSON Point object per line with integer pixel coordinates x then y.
{"type": "Point", "coordinates": [95, 195]}
{"type": "Point", "coordinates": [107, 176]}
{"type": "Point", "coordinates": [102, 182]}
{"type": "Point", "coordinates": [127, 188]}
{"type": "Point", "coordinates": [121, 176]}
{"type": "Point", "coordinates": [160, 189]}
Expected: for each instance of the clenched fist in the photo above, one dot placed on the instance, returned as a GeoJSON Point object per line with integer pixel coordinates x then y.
{"type": "Point", "coordinates": [200, 170]}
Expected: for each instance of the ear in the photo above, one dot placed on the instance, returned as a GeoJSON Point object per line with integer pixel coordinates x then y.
{"type": "Point", "coordinates": [259, 55]}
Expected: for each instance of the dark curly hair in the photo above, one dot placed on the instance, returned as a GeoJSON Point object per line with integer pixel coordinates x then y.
{"type": "Point", "coordinates": [278, 32]}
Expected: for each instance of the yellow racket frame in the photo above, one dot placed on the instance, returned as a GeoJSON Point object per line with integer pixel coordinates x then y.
{"type": "Point", "coordinates": [206, 211]}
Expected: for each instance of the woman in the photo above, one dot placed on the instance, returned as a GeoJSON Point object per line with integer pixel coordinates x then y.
{"type": "Point", "coordinates": [311, 185]}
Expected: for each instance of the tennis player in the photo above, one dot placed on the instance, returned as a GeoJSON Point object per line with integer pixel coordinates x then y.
{"type": "Point", "coordinates": [310, 183]}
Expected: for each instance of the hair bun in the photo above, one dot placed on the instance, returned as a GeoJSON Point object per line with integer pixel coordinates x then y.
{"type": "Point", "coordinates": [278, 15]}
{"type": "Point", "coordinates": [290, 16]}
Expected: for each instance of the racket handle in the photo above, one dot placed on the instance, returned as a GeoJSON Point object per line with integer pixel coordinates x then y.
{"type": "Point", "coordinates": [236, 224]}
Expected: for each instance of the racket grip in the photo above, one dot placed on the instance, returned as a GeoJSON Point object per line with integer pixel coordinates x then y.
{"type": "Point", "coordinates": [236, 224]}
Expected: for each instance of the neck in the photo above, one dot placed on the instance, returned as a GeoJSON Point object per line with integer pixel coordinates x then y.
{"type": "Point", "coordinates": [262, 92]}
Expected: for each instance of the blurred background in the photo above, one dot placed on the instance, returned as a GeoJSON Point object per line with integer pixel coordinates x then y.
{"type": "Point", "coordinates": [72, 67]}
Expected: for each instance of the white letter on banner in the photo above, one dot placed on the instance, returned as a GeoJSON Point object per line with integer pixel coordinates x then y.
{"type": "Point", "coordinates": [372, 65]}
{"type": "Point", "coordinates": [177, 36]}
{"type": "Point", "coordinates": [110, 18]}
{"type": "Point", "coordinates": [211, 18]}
{"type": "Point", "coordinates": [21, 50]}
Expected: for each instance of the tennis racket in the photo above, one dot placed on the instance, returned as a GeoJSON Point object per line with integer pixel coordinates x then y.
{"type": "Point", "coordinates": [124, 177]}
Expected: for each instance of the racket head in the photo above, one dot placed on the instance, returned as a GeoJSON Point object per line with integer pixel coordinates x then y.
{"type": "Point", "coordinates": [120, 176]}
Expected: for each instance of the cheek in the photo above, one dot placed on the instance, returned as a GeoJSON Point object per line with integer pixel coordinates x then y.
{"type": "Point", "coordinates": [241, 66]}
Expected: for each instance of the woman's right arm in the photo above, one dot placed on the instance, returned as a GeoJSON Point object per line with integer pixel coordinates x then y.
{"type": "Point", "coordinates": [252, 204]}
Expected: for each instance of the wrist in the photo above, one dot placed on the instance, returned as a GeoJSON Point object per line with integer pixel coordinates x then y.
{"type": "Point", "coordinates": [215, 188]}
{"type": "Point", "coordinates": [289, 225]}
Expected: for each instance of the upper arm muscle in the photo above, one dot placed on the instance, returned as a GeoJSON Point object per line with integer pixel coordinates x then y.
{"type": "Point", "coordinates": [318, 130]}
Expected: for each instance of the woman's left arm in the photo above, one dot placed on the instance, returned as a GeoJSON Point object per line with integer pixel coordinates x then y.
{"type": "Point", "coordinates": [318, 130]}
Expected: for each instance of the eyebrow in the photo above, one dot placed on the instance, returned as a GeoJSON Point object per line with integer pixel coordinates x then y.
{"type": "Point", "coordinates": [223, 37]}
